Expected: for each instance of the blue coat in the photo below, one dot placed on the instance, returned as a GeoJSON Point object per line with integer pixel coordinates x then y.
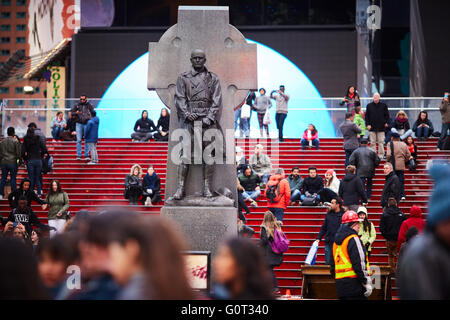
{"type": "Point", "coordinates": [91, 130]}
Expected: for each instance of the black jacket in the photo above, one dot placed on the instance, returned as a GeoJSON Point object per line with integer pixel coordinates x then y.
{"type": "Point", "coordinates": [391, 189]}
{"type": "Point", "coordinates": [86, 112]}
{"type": "Point", "coordinates": [365, 160]}
{"type": "Point", "coordinates": [241, 165]}
{"type": "Point", "coordinates": [390, 223]}
{"type": "Point", "coordinates": [351, 190]}
{"type": "Point", "coordinates": [273, 259]}
{"type": "Point", "coordinates": [14, 196]}
{"type": "Point", "coordinates": [163, 123]}
{"type": "Point", "coordinates": [401, 125]}
{"type": "Point", "coordinates": [249, 183]}
{"type": "Point", "coordinates": [312, 185]}
{"type": "Point", "coordinates": [330, 226]}
{"type": "Point", "coordinates": [28, 218]}
{"type": "Point", "coordinates": [33, 148]}
{"type": "Point", "coordinates": [377, 115]}
{"type": "Point", "coordinates": [144, 125]}
{"type": "Point", "coordinates": [351, 287]}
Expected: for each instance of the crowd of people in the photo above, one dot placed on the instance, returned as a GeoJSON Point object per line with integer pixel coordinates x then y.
{"type": "Point", "coordinates": [123, 255]}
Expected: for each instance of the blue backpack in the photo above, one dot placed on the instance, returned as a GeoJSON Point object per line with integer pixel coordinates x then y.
{"type": "Point", "coordinates": [280, 243]}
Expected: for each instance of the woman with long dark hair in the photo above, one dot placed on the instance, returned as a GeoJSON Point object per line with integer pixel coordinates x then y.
{"type": "Point", "coordinates": [267, 236]}
{"type": "Point", "coordinates": [33, 150]}
{"type": "Point", "coordinates": [147, 261]}
{"type": "Point", "coordinates": [367, 232]}
{"type": "Point", "coordinates": [163, 126]}
{"type": "Point", "coordinates": [351, 98]}
{"type": "Point", "coordinates": [423, 128]}
{"type": "Point", "coordinates": [310, 137]}
{"type": "Point", "coordinates": [58, 200]}
{"type": "Point", "coordinates": [240, 272]}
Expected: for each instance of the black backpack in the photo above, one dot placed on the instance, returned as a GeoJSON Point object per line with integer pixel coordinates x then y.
{"type": "Point", "coordinates": [273, 193]}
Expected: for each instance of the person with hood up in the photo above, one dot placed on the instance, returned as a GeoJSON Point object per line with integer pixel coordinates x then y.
{"type": "Point", "coordinates": [283, 194]}
{"type": "Point", "coordinates": [144, 128]}
{"type": "Point", "coordinates": [24, 190]}
{"type": "Point", "coordinates": [349, 265]}
{"type": "Point", "coordinates": [415, 219]}
{"type": "Point", "coordinates": [390, 222]}
{"type": "Point", "coordinates": [367, 232]}
{"type": "Point", "coordinates": [351, 189]}
{"type": "Point", "coordinates": [331, 186]}
{"type": "Point", "coordinates": [91, 136]}
{"type": "Point", "coordinates": [425, 266]}
{"type": "Point", "coordinates": [133, 184]}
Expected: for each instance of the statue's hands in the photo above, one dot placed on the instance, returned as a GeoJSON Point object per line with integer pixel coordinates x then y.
{"type": "Point", "coordinates": [191, 116]}
{"type": "Point", "coordinates": [206, 121]}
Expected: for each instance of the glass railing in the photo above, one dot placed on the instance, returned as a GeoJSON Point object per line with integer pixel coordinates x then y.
{"type": "Point", "coordinates": [117, 117]}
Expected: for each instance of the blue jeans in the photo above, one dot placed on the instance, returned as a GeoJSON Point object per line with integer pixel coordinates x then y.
{"type": "Point", "coordinates": [12, 169]}
{"type": "Point", "coordinates": [238, 121]}
{"type": "Point", "coordinates": [328, 253]}
{"type": "Point", "coordinates": [246, 126]}
{"type": "Point", "coordinates": [423, 132]}
{"type": "Point", "coordinates": [34, 168]}
{"type": "Point", "coordinates": [403, 136]}
{"type": "Point", "coordinates": [278, 213]}
{"type": "Point", "coordinates": [368, 188]}
{"type": "Point", "coordinates": [279, 119]}
{"type": "Point", "coordinates": [295, 196]}
{"type": "Point", "coordinates": [56, 133]}
{"type": "Point", "coordinates": [305, 143]}
{"type": "Point", "coordinates": [303, 196]}
{"type": "Point", "coordinates": [444, 134]}
{"type": "Point", "coordinates": [251, 194]}
{"type": "Point", "coordinates": [80, 129]}
{"type": "Point", "coordinates": [348, 153]}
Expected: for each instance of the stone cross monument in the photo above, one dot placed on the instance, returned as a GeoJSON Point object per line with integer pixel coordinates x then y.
{"type": "Point", "coordinates": [205, 220]}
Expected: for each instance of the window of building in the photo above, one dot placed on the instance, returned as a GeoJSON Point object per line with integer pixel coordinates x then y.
{"type": "Point", "coordinates": [18, 103]}
{"type": "Point", "coordinates": [5, 52]}
{"type": "Point", "coordinates": [21, 15]}
{"type": "Point", "coordinates": [6, 2]}
{"type": "Point", "coordinates": [18, 90]}
{"type": "Point", "coordinates": [21, 2]}
{"type": "Point", "coordinates": [21, 27]}
{"type": "Point", "coordinates": [5, 27]}
{"type": "Point", "coordinates": [5, 40]}
{"type": "Point", "coordinates": [37, 90]}
{"type": "Point", "coordinates": [6, 15]}
{"type": "Point", "coordinates": [35, 103]}
{"type": "Point", "coordinates": [20, 40]}
{"type": "Point", "coordinates": [4, 90]}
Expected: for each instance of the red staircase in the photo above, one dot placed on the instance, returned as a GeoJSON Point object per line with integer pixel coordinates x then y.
{"type": "Point", "coordinates": [98, 187]}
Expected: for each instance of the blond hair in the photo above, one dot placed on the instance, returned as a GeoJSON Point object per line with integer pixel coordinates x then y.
{"type": "Point", "coordinates": [270, 222]}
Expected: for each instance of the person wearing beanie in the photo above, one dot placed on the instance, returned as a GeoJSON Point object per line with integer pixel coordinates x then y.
{"type": "Point", "coordinates": [331, 187]}
{"type": "Point", "coordinates": [414, 220]}
{"type": "Point", "coordinates": [367, 232]}
{"type": "Point", "coordinates": [425, 267]}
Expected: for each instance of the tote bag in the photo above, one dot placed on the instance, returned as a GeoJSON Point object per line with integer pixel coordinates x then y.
{"type": "Point", "coordinates": [245, 111]}
{"type": "Point", "coordinates": [266, 119]}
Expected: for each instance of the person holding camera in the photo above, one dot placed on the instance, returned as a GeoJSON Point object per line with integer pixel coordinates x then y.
{"type": "Point", "coordinates": [24, 214]}
{"type": "Point", "coordinates": [351, 99]}
{"type": "Point", "coordinates": [82, 112]}
{"type": "Point", "coordinates": [281, 109]}
{"type": "Point", "coordinates": [444, 108]}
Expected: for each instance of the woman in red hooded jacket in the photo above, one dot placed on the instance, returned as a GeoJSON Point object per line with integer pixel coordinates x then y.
{"type": "Point", "coordinates": [414, 220]}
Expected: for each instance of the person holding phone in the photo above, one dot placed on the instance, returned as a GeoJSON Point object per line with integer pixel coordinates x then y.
{"type": "Point", "coordinates": [423, 127]}
{"type": "Point", "coordinates": [445, 114]}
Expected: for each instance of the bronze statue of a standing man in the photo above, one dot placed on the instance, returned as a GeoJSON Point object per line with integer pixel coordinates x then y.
{"type": "Point", "coordinates": [198, 97]}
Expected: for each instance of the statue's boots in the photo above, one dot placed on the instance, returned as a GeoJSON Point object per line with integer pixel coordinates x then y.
{"type": "Point", "coordinates": [182, 173]}
{"type": "Point", "coordinates": [207, 174]}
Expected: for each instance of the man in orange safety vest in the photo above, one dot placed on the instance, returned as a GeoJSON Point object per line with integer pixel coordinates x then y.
{"type": "Point", "coordinates": [349, 266]}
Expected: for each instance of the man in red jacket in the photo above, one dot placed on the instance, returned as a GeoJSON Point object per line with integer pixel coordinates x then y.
{"type": "Point", "coordinates": [282, 191]}
{"type": "Point", "coordinates": [414, 220]}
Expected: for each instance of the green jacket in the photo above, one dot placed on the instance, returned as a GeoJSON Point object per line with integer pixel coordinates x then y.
{"type": "Point", "coordinates": [367, 237]}
{"type": "Point", "coordinates": [9, 151]}
{"type": "Point", "coordinates": [58, 202]}
{"type": "Point", "coordinates": [359, 121]}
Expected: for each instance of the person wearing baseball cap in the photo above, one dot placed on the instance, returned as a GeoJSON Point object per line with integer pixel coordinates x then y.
{"type": "Point", "coordinates": [349, 265]}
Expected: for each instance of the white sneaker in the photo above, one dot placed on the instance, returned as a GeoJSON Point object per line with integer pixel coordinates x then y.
{"type": "Point", "coordinates": [148, 202]}
{"type": "Point", "coordinates": [1, 197]}
{"type": "Point", "coordinates": [403, 198]}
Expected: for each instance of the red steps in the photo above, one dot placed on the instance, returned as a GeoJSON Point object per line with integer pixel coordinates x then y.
{"type": "Point", "coordinates": [98, 187]}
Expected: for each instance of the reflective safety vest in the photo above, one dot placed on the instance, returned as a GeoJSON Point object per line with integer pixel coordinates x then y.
{"type": "Point", "coordinates": [343, 265]}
